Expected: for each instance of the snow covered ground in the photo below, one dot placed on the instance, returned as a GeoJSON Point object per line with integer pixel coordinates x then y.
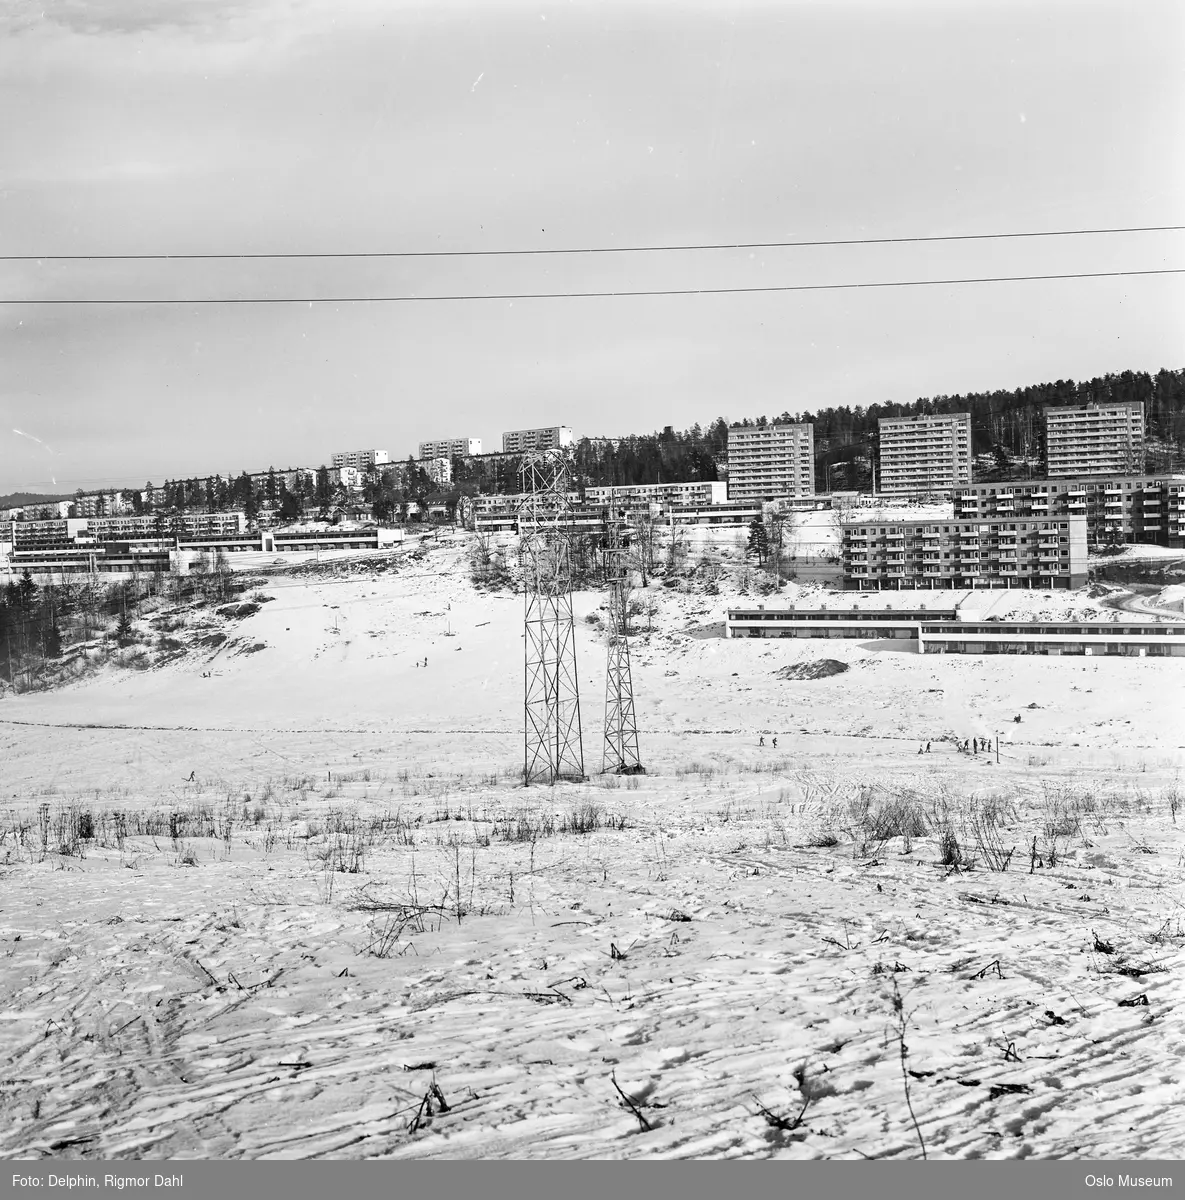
{"type": "Point", "coordinates": [314, 890]}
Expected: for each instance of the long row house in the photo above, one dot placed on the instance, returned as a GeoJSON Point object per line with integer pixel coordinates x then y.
{"type": "Point", "coordinates": [127, 546]}
{"type": "Point", "coordinates": [938, 629]}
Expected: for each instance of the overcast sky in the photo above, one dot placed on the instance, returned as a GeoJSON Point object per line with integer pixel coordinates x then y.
{"type": "Point", "coordinates": [347, 126]}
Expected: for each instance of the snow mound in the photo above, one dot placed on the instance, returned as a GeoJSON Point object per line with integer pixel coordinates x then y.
{"type": "Point", "coordinates": [818, 668]}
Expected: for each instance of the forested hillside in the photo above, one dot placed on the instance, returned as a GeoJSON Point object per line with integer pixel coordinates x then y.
{"type": "Point", "coordinates": [1006, 431]}
{"type": "Point", "coordinates": [1006, 440]}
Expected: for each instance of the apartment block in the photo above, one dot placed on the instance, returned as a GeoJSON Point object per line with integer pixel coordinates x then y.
{"type": "Point", "coordinates": [347, 476]}
{"type": "Point", "coordinates": [288, 476]}
{"type": "Point", "coordinates": [765, 461]}
{"type": "Point", "coordinates": [30, 535]}
{"type": "Point", "coordinates": [361, 460]}
{"type": "Point", "coordinates": [138, 545]}
{"type": "Point", "coordinates": [922, 455]}
{"type": "Point", "coordinates": [1094, 439]}
{"type": "Point", "coordinates": [1118, 509]}
{"type": "Point", "coordinates": [511, 503]}
{"type": "Point", "coordinates": [450, 448]}
{"type": "Point", "coordinates": [965, 554]}
{"type": "Point", "coordinates": [101, 504]}
{"type": "Point", "coordinates": [117, 545]}
{"type": "Point", "coordinates": [664, 494]}
{"type": "Point", "coordinates": [1175, 512]}
{"type": "Point", "coordinates": [54, 511]}
{"type": "Point", "coordinates": [439, 470]}
{"type": "Point", "coordinates": [553, 437]}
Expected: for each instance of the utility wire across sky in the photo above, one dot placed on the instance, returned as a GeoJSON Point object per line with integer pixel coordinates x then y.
{"type": "Point", "coordinates": [888, 241]}
{"type": "Point", "coordinates": [706, 291]}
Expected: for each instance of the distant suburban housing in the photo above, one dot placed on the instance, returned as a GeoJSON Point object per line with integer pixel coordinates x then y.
{"type": "Point", "coordinates": [665, 494]}
{"type": "Point", "coordinates": [439, 470]}
{"type": "Point", "coordinates": [288, 476]}
{"type": "Point", "coordinates": [765, 461]}
{"type": "Point", "coordinates": [450, 448]}
{"type": "Point", "coordinates": [552, 437]}
{"type": "Point", "coordinates": [361, 459]}
{"type": "Point", "coordinates": [129, 546]}
{"type": "Point", "coordinates": [924, 455]}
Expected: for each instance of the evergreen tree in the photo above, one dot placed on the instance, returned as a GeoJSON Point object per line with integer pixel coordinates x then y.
{"type": "Point", "coordinates": [323, 492]}
{"type": "Point", "coordinates": [124, 632]}
{"type": "Point", "coordinates": [758, 541]}
{"type": "Point", "coordinates": [28, 592]}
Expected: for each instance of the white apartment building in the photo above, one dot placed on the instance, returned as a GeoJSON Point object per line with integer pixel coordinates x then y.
{"type": "Point", "coordinates": [450, 448]}
{"type": "Point", "coordinates": [1094, 439]}
{"type": "Point", "coordinates": [665, 494]}
{"type": "Point", "coordinates": [346, 476]}
{"type": "Point", "coordinates": [439, 470]}
{"type": "Point", "coordinates": [765, 461]}
{"type": "Point", "coordinates": [553, 437]}
{"type": "Point", "coordinates": [924, 454]}
{"type": "Point", "coordinates": [360, 460]}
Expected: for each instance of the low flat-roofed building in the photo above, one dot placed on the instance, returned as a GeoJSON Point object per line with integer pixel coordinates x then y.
{"type": "Point", "coordinates": [1147, 639]}
{"type": "Point", "coordinates": [731, 513]}
{"type": "Point", "coordinates": [758, 620]}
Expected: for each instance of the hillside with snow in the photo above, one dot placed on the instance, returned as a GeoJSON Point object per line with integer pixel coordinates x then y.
{"type": "Point", "coordinates": [279, 893]}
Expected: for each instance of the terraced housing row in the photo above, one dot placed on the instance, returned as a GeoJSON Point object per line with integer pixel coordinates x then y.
{"type": "Point", "coordinates": [939, 630]}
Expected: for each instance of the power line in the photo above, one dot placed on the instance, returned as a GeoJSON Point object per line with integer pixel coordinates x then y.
{"type": "Point", "coordinates": [709, 291]}
{"type": "Point", "coordinates": [892, 241]}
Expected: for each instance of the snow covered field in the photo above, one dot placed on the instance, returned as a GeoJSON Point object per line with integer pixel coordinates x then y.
{"type": "Point", "coordinates": [317, 917]}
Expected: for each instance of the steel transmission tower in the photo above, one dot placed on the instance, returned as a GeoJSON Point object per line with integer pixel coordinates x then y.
{"type": "Point", "coordinates": [621, 726]}
{"type": "Point", "coordinates": [553, 745]}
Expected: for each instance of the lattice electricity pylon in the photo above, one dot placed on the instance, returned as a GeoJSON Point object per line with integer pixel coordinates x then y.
{"type": "Point", "coordinates": [553, 743]}
{"type": "Point", "coordinates": [621, 727]}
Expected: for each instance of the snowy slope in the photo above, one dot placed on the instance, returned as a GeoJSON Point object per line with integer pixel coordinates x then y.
{"type": "Point", "coordinates": [724, 935]}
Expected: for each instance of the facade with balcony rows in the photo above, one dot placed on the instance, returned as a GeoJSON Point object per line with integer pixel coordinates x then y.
{"type": "Point", "coordinates": [548, 437]}
{"type": "Point", "coordinates": [665, 494]}
{"type": "Point", "coordinates": [965, 554]}
{"type": "Point", "coordinates": [45, 535]}
{"type": "Point", "coordinates": [450, 448]}
{"type": "Point", "coordinates": [924, 455]}
{"type": "Point", "coordinates": [765, 461]}
{"type": "Point", "coordinates": [361, 460]}
{"type": "Point", "coordinates": [1094, 439]}
{"type": "Point", "coordinates": [1118, 509]}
